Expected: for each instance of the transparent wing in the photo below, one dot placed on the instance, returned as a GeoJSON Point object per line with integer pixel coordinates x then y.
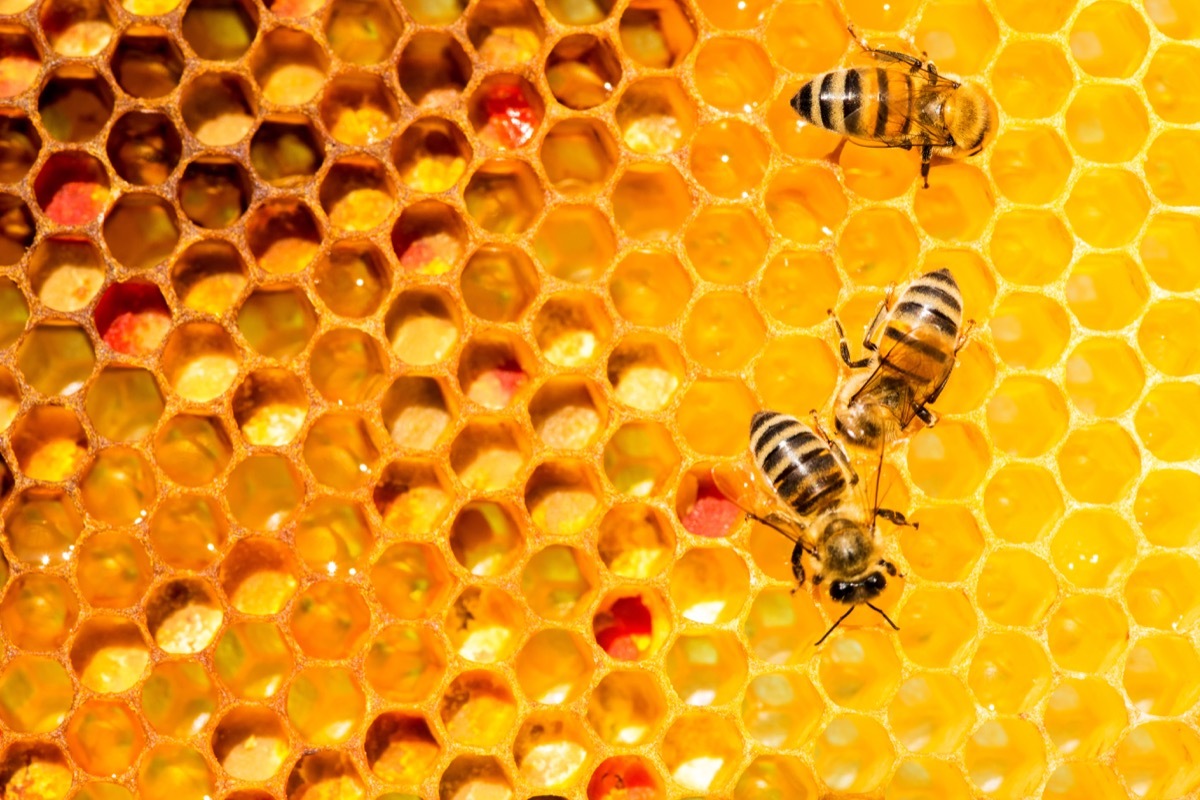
{"type": "Point", "coordinates": [905, 357]}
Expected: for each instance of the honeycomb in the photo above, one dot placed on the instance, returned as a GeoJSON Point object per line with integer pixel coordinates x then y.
{"type": "Point", "coordinates": [363, 363]}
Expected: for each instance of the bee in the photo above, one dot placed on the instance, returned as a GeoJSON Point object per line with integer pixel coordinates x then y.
{"type": "Point", "coordinates": [813, 501]}
{"type": "Point", "coordinates": [901, 102]}
{"type": "Point", "coordinates": [909, 365]}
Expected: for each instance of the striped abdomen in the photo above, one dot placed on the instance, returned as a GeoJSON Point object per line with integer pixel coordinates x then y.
{"type": "Point", "coordinates": [796, 462]}
{"type": "Point", "coordinates": [927, 317]}
{"type": "Point", "coordinates": [867, 102]}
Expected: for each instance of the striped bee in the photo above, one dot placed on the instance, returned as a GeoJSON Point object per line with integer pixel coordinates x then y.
{"type": "Point", "coordinates": [900, 102]}
{"type": "Point", "coordinates": [813, 501]}
{"type": "Point", "coordinates": [908, 367]}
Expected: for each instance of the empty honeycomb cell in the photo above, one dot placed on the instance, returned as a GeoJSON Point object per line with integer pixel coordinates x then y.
{"type": "Point", "coordinates": [113, 570]}
{"type": "Point", "coordinates": [804, 35]}
{"type": "Point", "coordinates": [1104, 376]}
{"type": "Point", "coordinates": [209, 276]}
{"type": "Point", "coordinates": [949, 461]}
{"type": "Point", "coordinates": [1084, 717]}
{"type": "Point", "coordinates": [1022, 502]}
{"type": "Point", "coordinates": [1168, 84]}
{"type": "Point", "coordinates": [49, 443]}
{"type": "Point", "coordinates": [17, 228]}
{"type": "Point", "coordinates": [1030, 330]}
{"type": "Point", "coordinates": [1163, 339]}
{"type": "Point", "coordinates": [264, 492]}
{"type": "Point", "coordinates": [1099, 463]}
{"type": "Point", "coordinates": [567, 413]}
{"type": "Point", "coordinates": [1009, 673]}
{"type": "Point", "coordinates": [42, 526]}
{"type": "Point", "coordinates": [508, 33]}
{"type": "Point", "coordinates": [578, 156]}
{"type": "Point", "coordinates": [729, 158]}
{"type": "Point", "coordinates": [486, 539]}
{"type": "Point", "coordinates": [250, 743]}
{"type": "Point", "coordinates": [72, 188]}
{"type": "Point", "coordinates": [417, 411]}
{"type": "Point", "coordinates": [1087, 633]}
{"type": "Point", "coordinates": [931, 713]}
{"type": "Point", "coordinates": [946, 546]}
{"type": "Point", "coordinates": [259, 576]}
{"type": "Point", "coordinates": [632, 625]}
{"type": "Point", "coordinates": [400, 748]}
{"type": "Point", "coordinates": [1168, 164]}
{"type": "Point", "coordinates": [853, 754]}
{"type": "Point", "coordinates": [640, 458]}
{"type": "Point", "coordinates": [572, 328]}
{"type": "Point", "coordinates": [434, 69]}
{"type": "Point", "coordinates": [783, 625]}
{"type": "Point", "coordinates": [701, 751]}
{"type": "Point", "coordinates": [102, 790]}
{"type": "Point", "coordinates": [192, 449]}
{"type": "Point", "coordinates": [21, 60]}
{"type": "Point", "coordinates": [219, 108]}
{"type": "Point", "coordinates": [24, 711]}
{"type": "Point", "coordinates": [1030, 165]}
{"type": "Point", "coordinates": [1163, 422]}
{"type": "Point", "coordinates": [1160, 675]}
{"type": "Point", "coordinates": [1071, 781]}
{"type": "Point", "coordinates": [174, 771]}
{"type": "Point", "coordinates": [626, 708]}
{"type": "Point", "coordinates": [279, 323]}
{"type": "Point", "coordinates": [286, 151]}
{"type": "Point", "coordinates": [200, 361]}
{"type": "Point", "coordinates": [650, 288]}
{"type": "Point", "coordinates": [859, 669]}
{"type": "Point", "coordinates": [503, 196]}
{"type": "Point", "coordinates": [109, 654]}
{"type": "Point", "coordinates": [289, 67]}
{"type": "Point", "coordinates": [146, 62]}
{"type": "Point", "coordinates": [475, 776]}
{"type": "Point", "coordinates": [726, 245]}
{"type": "Point", "coordinates": [325, 773]}
{"type": "Point", "coordinates": [655, 116]}
{"type": "Point", "coordinates": [489, 453]}
{"type": "Point", "coordinates": [1006, 758]}
{"type": "Point", "coordinates": [917, 778]}
{"type": "Point", "coordinates": [723, 331]}
{"type": "Point", "coordinates": [562, 497]}
{"type": "Point", "coordinates": [960, 36]}
{"type": "Point", "coordinates": [187, 531]}
{"type": "Point", "coordinates": [352, 279]}
{"type": "Point", "coordinates": [340, 451]}
{"type": "Point", "coordinates": [56, 359]}
{"type": "Point", "coordinates": [77, 30]}
{"type": "Point", "coordinates": [1161, 591]}
{"type": "Point", "coordinates": [359, 109]}
{"type": "Point", "coordinates": [357, 194]}
{"type": "Point", "coordinates": [404, 663]}
{"type": "Point", "coordinates": [1109, 40]}
{"type": "Point", "coordinates": [656, 33]}
{"type": "Point", "coordinates": [346, 366]}
{"type": "Point", "coordinates": [635, 541]}
{"type": "Point", "coordinates": [484, 624]}
{"type": "Point", "coordinates": [183, 616]}
{"type": "Point", "coordinates": [219, 30]}
{"type": "Point", "coordinates": [330, 620]}
{"type": "Point", "coordinates": [15, 312]}
{"type": "Point", "coordinates": [178, 698]}
{"type": "Point", "coordinates": [553, 667]}
{"type": "Point", "coordinates": [412, 496]}
{"type": "Point", "coordinates": [958, 205]}
{"type": "Point", "coordinates": [709, 585]}
{"type": "Point", "coordinates": [333, 537]}
{"type": "Point", "coordinates": [1155, 759]}
{"type": "Point", "coordinates": [1169, 237]}
{"type": "Point", "coordinates": [478, 709]}
{"type": "Point", "coordinates": [1106, 291]}
{"type": "Point", "coordinates": [1107, 207]}
{"type": "Point", "coordinates": [1031, 247]}
{"type": "Point", "coordinates": [104, 737]}
{"type": "Point", "coordinates": [558, 582]}
{"type": "Point", "coordinates": [38, 611]}
{"type": "Point", "coordinates": [1027, 416]}
{"type": "Point", "coordinates": [1094, 548]}
{"type": "Point", "coordinates": [494, 369]}
{"type": "Point", "coordinates": [651, 201]}
{"type": "Point", "coordinates": [937, 625]}
{"type": "Point", "coordinates": [805, 203]}
{"type": "Point", "coordinates": [214, 192]}
{"type": "Point", "coordinates": [797, 287]}
{"type": "Point", "coordinates": [118, 486]}
{"type": "Point", "coordinates": [878, 247]}
{"type": "Point", "coordinates": [706, 669]}
{"type": "Point", "coordinates": [326, 704]}
{"type": "Point", "coordinates": [75, 104]}
{"type": "Point", "coordinates": [1015, 587]}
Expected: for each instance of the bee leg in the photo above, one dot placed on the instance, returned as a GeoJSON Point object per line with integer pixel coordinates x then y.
{"type": "Point", "coordinates": [798, 566]}
{"type": "Point", "coordinates": [884, 305]}
{"type": "Point", "coordinates": [964, 336]}
{"type": "Point", "coordinates": [896, 518]}
{"type": "Point", "coordinates": [845, 346]}
{"type": "Point", "coordinates": [835, 447]}
{"type": "Point", "coordinates": [890, 568]}
{"type": "Point", "coordinates": [858, 40]}
{"type": "Point", "coordinates": [926, 157]}
{"type": "Point", "coordinates": [924, 414]}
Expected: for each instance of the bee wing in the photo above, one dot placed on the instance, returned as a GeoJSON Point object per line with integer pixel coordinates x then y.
{"type": "Point", "coordinates": [901, 358]}
{"type": "Point", "coordinates": [900, 106]}
{"type": "Point", "coordinates": [746, 490]}
{"type": "Point", "coordinates": [891, 58]}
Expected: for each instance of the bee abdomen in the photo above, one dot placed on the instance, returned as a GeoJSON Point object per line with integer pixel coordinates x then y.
{"type": "Point", "coordinates": [796, 462]}
{"type": "Point", "coordinates": [834, 101]}
{"type": "Point", "coordinates": [932, 299]}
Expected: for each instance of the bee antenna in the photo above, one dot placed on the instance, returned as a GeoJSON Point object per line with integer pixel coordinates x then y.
{"type": "Point", "coordinates": [881, 613]}
{"type": "Point", "coordinates": [833, 627]}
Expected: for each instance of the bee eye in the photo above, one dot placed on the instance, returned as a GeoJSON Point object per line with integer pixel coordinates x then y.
{"type": "Point", "coordinates": [876, 581]}
{"type": "Point", "coordinates": [839, 591]}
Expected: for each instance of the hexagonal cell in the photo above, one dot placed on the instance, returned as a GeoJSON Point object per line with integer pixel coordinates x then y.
{"type": "Point", "coordinates": [144, 147]}
{"type": "Point", "coordinates": [640, 458]}
{"type": "Point", "coordinates": [1095, 214]}
{"type": "Point", "coordinates": [105, 737]}
{"type": "Point", "coordinates": [963, 36]}
{"type": "Point", "coordinates": [498, 283]}
{"type": "Point", "coordinates": [286, 150]}
{"type": "Point", "coordinates": [1011, 567]}
{"type": "Point", "coordinates": [626, 708]}
{"type": "Point", "coordinates": [1084, 717]}
{"type": "Point", "coordinates": [494, 368]}
{"type": "Point", "coordinates": [65, 273]}
{"type": "Point", "coordinates": [404, 663]}
{"type": "Point", "coordinates": [259, 575]}
{"type": "Point", "coordinates": [656, 33]}
{"type": "Point", "coordinates": [36, 768]}
{"type": "Point", "coordinates": [475, 776]}
{"type": "Point", "coordinates": [430, 238]}
{"type": "Point", "coordinates": [726, 245]}
{"type": "Point", "coordinates": [574, 243]}
{"type": "Point", "coordinates": [1010, 673]}
{"type": "Point", "coordinates": [352, 278]}
{"type": "Point", "coordinates": [1008, 756]}
{"type": "Point", "coordinates": [340, 451]}
{"type": "Point", "coordinates": [578, 156]}
{"type": "Point", "coordinates": [20, 59]}
{"type": "Point", "coordinates": [571, 328]}
{"type": "Point", "coordinates": [132, 318]}
{"type": "Point", "coordinates": [1099, 463]}
{"type": "Point", "coordinates": [505, 111]}
{"type": "Point", "coordinates": [192, 450]}
{"type": "Point", "coordinates": [1072, 781]}
{"type": "Point", "coordinates": [431, 155]}
{"type": "Point", "coordinates": [878, 246]}
{"type": "Point", "coordinates": [701, 751]}
{"type": "Point", "coordinates": [1109, 40]}
{"type": "Point", "coordinates": [1094, 548]}
{"type": "Point", "coordinates": [214, 191]}
{"type": "Point", "coordinates": [362, 32]}
{"type": "Point", "coordinates": [1154, 757]}
{"type": "Point", "coordinates": [706, 668]}
{"type": "Point", "coordinates": [284, 236]}
{"type": "Point", "coordinates": [289, 67]}
{"type": "Point", "coordinates": [103, 790]}
{"type": "Point", "coordinates": [178, 698]}
{"type": "Point", "coordinates": [220, 30]}
{"type": "Point", "coordinates": [554, 667]}
{"type": "Point", "coordinates": [330, 619]}
{"type": "Point", "coordinates": [347, 366]}
{"type": "Point", "coordinates": [631, 624]}
{"type": "Point", "coordinates": [183, 615]}
{"type": "Point", "coordinates": [655, 116]}
{"type": "Point", "coordinates": [1027, 416]}
{"type": "Point", "coordinates": [567, 413]}
{"type": "Point", "coordinates": [17, 226]}
{"type": "Point", "coordinates": [35, 712]}
{"type": "Point", "coordinates": [484, 624]}
{"type": "Point", "coordinates": [146, 62]}
{"type": "Point", "coordinates": [506, 33]}
{"type": "Point", "coordinates": [1031, 79]}
{"type": "Point", "coordinates": [1169, 236]}
{"type": "Point", "coordinates": [618, 776]}
{"type": "Point", "coordinates": [645, 370]}
{"type": "Point", "coordinates": [49, 442]}
{"type": "Point", "coordinates": [141, 229]}
{"type": "Point", "coordinates": [1167, 86]}
{"type": "Point", "coordinates": [709, 585]}
{"type": "Point", "coordinates": [1107, 123]}
{"type": "Point", "coordinates": [486, 539]}
{"type": "Point", "coordinates": [635, 541]}
{"type": "Point", "coordinates": [557, 582]}
{"type": "Point", "coordinates": [650, 288]}
{"type": "Point", "coordinates": [200, 361]}
{"type": "Point", "coordinates": [937, 626]}
{"type": "Point", "coordinates": [1031, 166]}
{"type": "Point", "coordinates": [277, 322]}
{"type": "Point", "coordinates": [551, 749]}
{"type": "Point", "coordinates": [478, 708]}
{"type": "Point", "coordinates": [113, 570]}
{"type": "Point", "coordinates": [730, 88]}
{"type": "Point", "coordinates": [325, 704]}
{"type": "Point", "coordinates": [250, 743]}
{"type": "Point", "coordinates": [796, 287]}
{"type": "Point", "coordinates": [729, 158]}
{"type": "Point", "coordinates": [489, 454]}
{"type": "Point", "coordinates": [109, 654]}
{"type": "Point", "coordinates": [583, 70]}
{"type": "Point", "coordinates": [1171, 152]}
{"type": "Point", "coordinates": [940, 475]}
{"type": "Point", "coordinates": [1087, 633]}
{"type": "Point", "coordinates": [75, 103]}
{"type": "Point", "coordinates": [358, 108]}
{"type": "Point", "coordinates": [1164, 515]}
{"type": "Point", "coordinates": [325, 772]}
{"type": "Point", "coordinates": [723, 331]}
{"type": "Point", "coordinates": [118, 486]}
{"type": "Point", "coordinates": [219, 108]}
{"type": "Point", "coordinates": [805, 203]}
{"type": "Point", "coordinates": [77, 29]}
{"type": "Point", "coordinates": [1104, 376]}
{"type": "Point", "coordinates": [401, 748]}
{"type": "Point", "coordinates": [503, 196]}
{"type": "Point", "coordinates": [563, 497]}
{"type": "Point", "coordinates": [957, 206]}
{"type": "Point", "coordinates": [1160, 675]}
{"type": "Point", "coordinates": [270, 407]}
{"type": "Point", "coordinates": [416, 412]}
{"type": "Point", "coordinates": [1031, 247]}
{"type": "Point", "coordinates": [357, 194]}
{"type": "Point", "coordinates": [1159, 426]}
{"type": "Point", "coordinates": [412, 496]}
{"type": "Point", "coordinates": [72, 188]}
{"type": "Point", "coordinates": [853, 753]}
{"type": "Point", "coordinates": [188, 532]}
{"type": "Point", "coordinates": [651, 201]}
{"type": "Point", "coordinates": [1161, 592]}
{"type": "Point", "coordinates": [1162, 340]}
{"type": "Point", "coordinates": [434, 69]}
{"type": "Point", "coordinates": [38, 611]}
{"type": "Point", "coordinates": [264, 492]}
{"type": "Point", "coordinates": [1030, 330]}
{"type": "Point", "coordinates": [946, 547]}
{"type": "Point", "coordinates": [209, 276]}
{"type": "Point", "coordinates": [931, 713]}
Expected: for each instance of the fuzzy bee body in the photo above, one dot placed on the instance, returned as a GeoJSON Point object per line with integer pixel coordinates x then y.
{"type": "Point", "coordinates": [901, 101]}
{"type": "Point", "coordinates": [908, 366]}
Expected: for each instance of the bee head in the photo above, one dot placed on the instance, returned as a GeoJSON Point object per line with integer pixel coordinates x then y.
{"type": "Point", "coordinates": [971, 117]}
{"type": "Point", "coordinates": [860, 591]}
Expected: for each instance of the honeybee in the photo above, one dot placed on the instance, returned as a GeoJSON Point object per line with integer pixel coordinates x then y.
{"type": "Point", "coordinates": [909, 365]}
{"type": "Point", "coordinates": [902, 102]}
{"type": "Point", "coordinates": [812, 500]}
